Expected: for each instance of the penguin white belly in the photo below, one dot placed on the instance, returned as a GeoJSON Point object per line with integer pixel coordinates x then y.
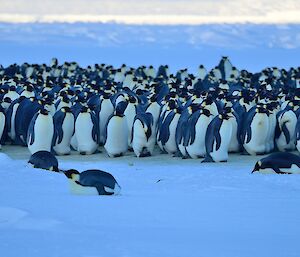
{"type": "Point", "coordinates": [221, 154]}
{"type": "Point", "coordinates": [43, 134]}
{"type": "Point", "coordinates": [294, 169]}
{"type": "Point", "coordinates": [182, 148]}
{"type": "Point", "coordinates": [271, 133]}
{"type": "Point", "coordinates": [83, 132]}
{"type": "Point", "coordinates": [12, 132]}
{"type": "Point", "coordinates": [154, 109]}
{"type": "Point", "coordinates": [259, 129]}
{"type": "Point", "coordinates": [63, 104]}
{"type": "Point", "coordinates": [197, 149]}
{"type": "Point", "coordinates": [27, 94]}
{"type": "Point", "coordinates": [82, 190]}
{"type": "Point", "coordinates": [290, 120]}
{"type": "Point", "coordinates": [74, 142]}
{"type": "Point", "coordinates": [140, 142]}
{"type": "Point", "coordinates": [130, 113]}
{"type": "Point", "coordinates": [68, 128]}
{"type": "Point", "coordinates": [2, 124]}
{"type": "Point", "coordinates": [171, 146]}
{"type": "Point", "coordinates": [117, 136]}
{"type": "Point", "coordinates": [234, 143]}
{"type": "Point", "coordinates": [106, 111]}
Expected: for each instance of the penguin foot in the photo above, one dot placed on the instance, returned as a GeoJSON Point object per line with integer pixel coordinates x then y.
{"type": "Point", "coordinates": [117, 155]}
{"type": "Point", "coordinates": [145, 154]}
{"type": "Point", "coordinates": [208, 159]}
{"type": "Point", "coordinates": [82, 153]}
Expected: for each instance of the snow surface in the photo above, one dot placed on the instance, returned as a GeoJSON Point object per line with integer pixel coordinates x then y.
{"type": "Point", "coordinates": [194, 210]}
{"type": "Point", "coordinates": [201, 210]}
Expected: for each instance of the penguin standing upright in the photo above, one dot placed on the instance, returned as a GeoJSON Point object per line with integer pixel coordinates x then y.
{"type": "Point", "coordinates": [2, 125]}
{"type": "Point", "coordinates": [130, 113]}
{"type": "Point", "coordinates": [143, 135]}
{"type": "Point", "coordinates": [255, 130]}
{"type": "Point", "coordinates": [217, 138]}
{"type": "Point", "coordinates": [40, 132]}
{"type": "Point", "coordinates": [196, 129]}
{"type": "Point", "coordinates": [105, 111]}
{"type": "Point", "coordinates": [285, 130]}
{"type": "Point", "coordinates": [166, 135]}
{"type": "Point", "coordinates": [86, 131]}
{"type": "Point", "coordinates": [64, 123]}
{"type": "Point", "coordinates": [116, 136]}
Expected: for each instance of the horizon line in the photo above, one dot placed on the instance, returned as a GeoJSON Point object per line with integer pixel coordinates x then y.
{"type": "Point", "coordinates": [273, 18]}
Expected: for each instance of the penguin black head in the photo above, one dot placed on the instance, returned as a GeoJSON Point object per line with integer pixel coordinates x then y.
{"type": "Point", "coordinates": [69, 173]}
{"type": "Point", "coordinates": [257, 166]}
{"type": "Point", "coordinates": [120, 108]}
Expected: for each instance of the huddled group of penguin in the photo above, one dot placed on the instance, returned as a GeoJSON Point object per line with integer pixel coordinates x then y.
{"type": "Point", "coordinates": [59, 107]}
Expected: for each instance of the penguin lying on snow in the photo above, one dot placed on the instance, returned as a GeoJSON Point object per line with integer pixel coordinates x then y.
{"type": "Point", "coordinates": [92, 182]}
{"type": "Point", "coordinates": [280, 163]}
{"type": "Point", "coordinates": [44, 160]}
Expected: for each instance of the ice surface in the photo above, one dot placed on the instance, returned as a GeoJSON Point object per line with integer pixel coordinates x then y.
{"type": "Point", "coordinates": [168, 207]}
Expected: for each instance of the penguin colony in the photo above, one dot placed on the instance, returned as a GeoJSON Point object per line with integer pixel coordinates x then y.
{"type": "Point", "coordinates": [209, 114]}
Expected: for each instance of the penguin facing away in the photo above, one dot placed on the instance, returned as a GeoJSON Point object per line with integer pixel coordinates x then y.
{"type": "Point", "coordinates": [278, 163]}
{"type": "Point", "coordinates": [92, 182]}
{"type": "Point", "coordinates": [44, 160]}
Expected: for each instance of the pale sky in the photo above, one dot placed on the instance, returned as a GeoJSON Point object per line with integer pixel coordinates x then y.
{"type": "Point", "coordinates": [152, 11]}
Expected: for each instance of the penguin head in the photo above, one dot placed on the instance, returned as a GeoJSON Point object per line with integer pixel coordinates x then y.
{"type": "Point", "coordinates": [44, 111]}
{"type": "Point", "coordinates": [72, 174]}
{"type": "Point", "coordinates": [259, 165]}
{"type": "Point", "coordinates": [120, 108]}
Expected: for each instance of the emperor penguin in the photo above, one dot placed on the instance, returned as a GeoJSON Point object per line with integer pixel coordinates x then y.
{"type": "Point", "coordinates": [64, 126]}
{"type": "Point", "coordinates": [130, 113]}
{"type": "Point", "coordinates": [202, 72]}
{"type": "Point", "coordinates": [297, 134]}
{"type": "Point", "coordinates": [40, 132]}
{"type": "Point", "coordinates": [2, 126]}
{"type": "Point", "coordinates": [225, 67]}
{"type": "Point", "coordinates": [86, 131]}
{"type": "Point", "coordinates": [217, 138]}
{"type": "Point", "coordinates": [116, 132]}
{"type": "Point", "coordinates": [285, 130]}
{"type": "Point", "coordinates": [106, 109]}
{"type": "Point", "coordinates": [154, 108]}
{"type": "Point", "coordinates": [166, 135]}
{"type": "Point", "coordinates": [278, 163]}
{"type": "Point", "coordinates": [44, 160]}
{"type": "Point", "coordinates": [143, 135]}
{"type": "Point", "coordinates": [255, 130]}
{"type": "Point", "coordinates": [196, 132]}
{"type": "Point", "coordinates": [92, 182]}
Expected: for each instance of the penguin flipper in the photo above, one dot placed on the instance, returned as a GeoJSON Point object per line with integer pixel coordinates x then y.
{"type": "Point", "coordinates": [31, 130]}
{"type": "Point", "coordinates": [286, 133]}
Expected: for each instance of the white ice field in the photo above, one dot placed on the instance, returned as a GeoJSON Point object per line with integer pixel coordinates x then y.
{"type": "Point", "coordinates": [169, 207]}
